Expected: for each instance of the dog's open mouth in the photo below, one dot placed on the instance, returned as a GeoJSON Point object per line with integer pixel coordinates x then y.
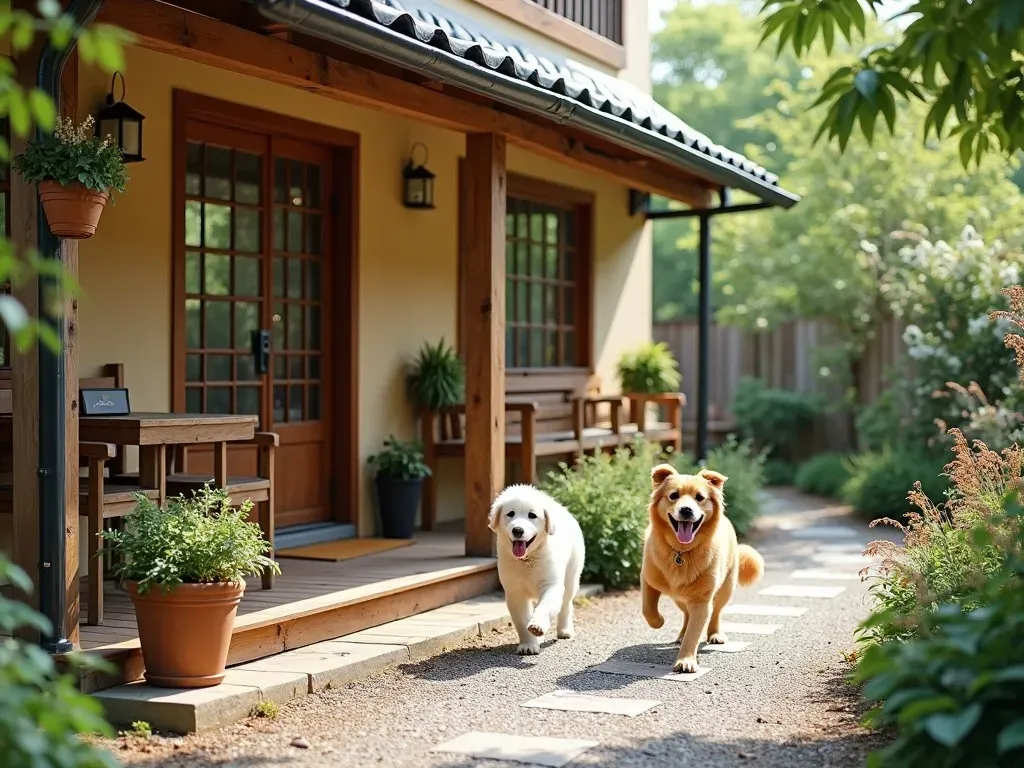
{"type": "Point", "coordinates": [519, 547]}
{"type": "Point", "coordinates": [685, 529]}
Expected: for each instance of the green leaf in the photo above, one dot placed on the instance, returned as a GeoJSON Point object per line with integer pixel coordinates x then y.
{"type": "Point", "coordinates": [42, 109]}
{"type": "Point", "coordinates": [867, 113]}
{"type": "Point", "coordinates": [1011, 737]}
{"type": "Point", "coordinates": [965, 147]}
{"type": "Point", "coordinates": [950, 729]}
{"type": "Point", "coordinates": [923, 707]}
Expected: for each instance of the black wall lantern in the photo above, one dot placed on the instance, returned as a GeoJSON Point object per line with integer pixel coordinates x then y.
{"type": "Point", "coordinates": [122, 123]}
{"type": "Point", "coordinates": [418, 182]}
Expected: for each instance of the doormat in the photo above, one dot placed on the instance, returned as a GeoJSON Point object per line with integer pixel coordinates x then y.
{"type": "Point", "coordinates": [346, 549]}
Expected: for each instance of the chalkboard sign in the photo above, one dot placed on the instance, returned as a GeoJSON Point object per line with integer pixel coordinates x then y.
{"type": "Point", "coordinates": [104, 402]}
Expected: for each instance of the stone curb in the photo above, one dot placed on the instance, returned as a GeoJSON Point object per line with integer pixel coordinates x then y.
{"type": "Point", "coordinates": [321, 666]}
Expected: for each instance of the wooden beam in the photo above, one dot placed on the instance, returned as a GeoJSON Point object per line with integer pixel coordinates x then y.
{"type": "Point", "coordinates": [69, 257]}
{"type": "Point", "coordinates": [483, 308]}
{"type": "Point", "coordinates": [25, 365]}
{"type": "Point", "coordinates": [177, 32]}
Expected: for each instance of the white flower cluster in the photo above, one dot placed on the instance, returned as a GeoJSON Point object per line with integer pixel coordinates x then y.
{"type": "Point", "coordinates": [74, 134]}
{"type": "Point", "coordinates": [928, 345]}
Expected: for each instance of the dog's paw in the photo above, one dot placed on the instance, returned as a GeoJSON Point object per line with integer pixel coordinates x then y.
{"type": "Point", "coordinates": [566, 633]}
{"type": "Point", "coordinates": [528, 649]}
{"type": "Point", "coordinates": [718, 638]}
{"type": "Point", "coordinates": [655, 620]}
{"type": "Point", "coordinates": [685, 665]}
{"type": "Point", "coordinates": [535, 629]}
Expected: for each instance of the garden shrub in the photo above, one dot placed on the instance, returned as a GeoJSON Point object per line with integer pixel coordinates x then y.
{"type": "Point", "coordinates": [779, 472]}
{"type": "Point", "coordinates": [879, 482]}
{"type": "Point", "coordinates": [609, 495]}
{"type": "Point", "coordinates": [956, 692]}
{"type": "Point", "coordinates": [772, 418]}
{"type": "Point", "coordinates": [824, 475]}
{"type": "Point", "coordinates": [744, 466]}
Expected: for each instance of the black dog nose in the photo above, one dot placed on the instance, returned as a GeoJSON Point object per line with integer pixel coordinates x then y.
{"type": "Point", "coordinates": [687, 513]}
{"type": "Point", "coordinates": [517, 532]}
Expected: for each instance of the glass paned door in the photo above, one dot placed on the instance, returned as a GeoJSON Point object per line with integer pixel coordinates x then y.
{"type": "Point", "coordinates": [257, 230]}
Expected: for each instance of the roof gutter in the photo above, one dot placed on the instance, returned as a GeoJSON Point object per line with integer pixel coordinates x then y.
{"type": "Point", "coordinates": [330, 22]}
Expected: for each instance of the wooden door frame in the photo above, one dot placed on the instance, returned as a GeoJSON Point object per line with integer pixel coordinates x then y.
{"type": "Point", "coordinates": [342, 401]}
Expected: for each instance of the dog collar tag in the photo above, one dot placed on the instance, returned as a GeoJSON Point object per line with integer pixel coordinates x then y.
{"type": "Point", "coordinates": [679, 558]}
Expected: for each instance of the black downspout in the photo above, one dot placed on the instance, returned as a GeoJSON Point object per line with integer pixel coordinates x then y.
{"type": "Point", "coordinates": [703, 335]}
{"type": "Point", "coordinates": [52, 416]}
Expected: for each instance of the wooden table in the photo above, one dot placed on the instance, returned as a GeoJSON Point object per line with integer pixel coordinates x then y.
{"type": "Point", "coordinates": [152, 432]}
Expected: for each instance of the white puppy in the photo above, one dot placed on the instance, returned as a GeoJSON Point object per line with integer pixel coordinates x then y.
{"type": "Point", "coordinates": [540, 559]}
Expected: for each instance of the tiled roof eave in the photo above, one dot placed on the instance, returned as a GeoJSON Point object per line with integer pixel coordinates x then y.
{"type": "Point", "coordinates": [448, 53]}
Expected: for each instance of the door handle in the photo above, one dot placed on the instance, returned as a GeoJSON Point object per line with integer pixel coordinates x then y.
{"type": "Point", "coordinates": [261, 350]}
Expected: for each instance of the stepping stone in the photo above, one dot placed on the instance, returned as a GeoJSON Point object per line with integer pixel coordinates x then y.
{"type": "Point", "coordinates": [571, 701]}
{"type": "Point", "coordinates": [796, 590]}
{"type": "Point", "coordinates": [730, 647]}
{"type": "Point", "coordinates": [823, 532]}
{"type": "Point", "coordinates": [842, 558]}
{"type": "Point", "coordinates": [638, 669]}
{"type": "Point", "coordinates": [742, 628]}
{"type": "Point", "coordinates": [535, 750]}
{"type": "Point", "coordinates": [820, 574]}
{"type": "Point", "coordinates": [751, 609]}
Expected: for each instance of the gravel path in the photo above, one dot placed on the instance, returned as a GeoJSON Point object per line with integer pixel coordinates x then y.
{"type": "Point", "coordinates": [781, 702]}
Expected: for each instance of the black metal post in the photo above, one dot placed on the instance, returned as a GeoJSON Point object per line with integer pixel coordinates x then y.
{"type": "Point", "coordinates": [703, 336]}
{"type": "Point", "coordinates": [52, 405]}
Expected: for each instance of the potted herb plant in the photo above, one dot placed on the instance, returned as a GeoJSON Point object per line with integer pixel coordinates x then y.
{"type": "Point", "coordinates": [650, 369]}
{"type": "Point", "coordinates": [437, 377]}
{"type": "Point", "coordinates": [75, 172]}
{"type": "Point", "coordinates": [399, 481]}
{"type": "Point", "coordinates": [183, 566]}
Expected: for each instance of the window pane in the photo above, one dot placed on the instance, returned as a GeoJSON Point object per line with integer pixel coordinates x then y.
{"type": "Point", "coordinates": [550, 307]}
{"type": "Point", "coordinates": [218, 368]}
{"type": "Point", "coordinates": [193, 272]}
{"type": "Point", "coordinates": [536, 348]}
{"type": "Point", "coordinates": [510, 348]}
{"type": "Point", "coordinates": [193, 324]}
{"type": "Point", "coordinates": [218, 325]}
{"type": "Point", "coordinates": [218, 173]}
{"type": "Point", "coordinates": [295, 196]}
{"type": "Point", "coordinates": [313, 406]}
{"type": "Point", "coordinates": [280, 395]}
{"type": "Point", "coordinates": [551, 263]}
{"type": "Point", "coordinates": [314, 234]}
{"type": "Point", "coordinates": [218, 274]}
{"type": "Point", "coordinates": [295, 407]}
{"type": "Point", "coordinates": [247, 230]}
{"type": "Point", "coordinates": [569, 229]}
{"type": "Point", "coordinates": [247, 400]}
{"type": "Point", "coordinates": [522, 299]}
{"type": "Point", "coordinates": [279, 229]}
{"type": "Point", "coordinates": [278, 276]}
{"type": "Point", "coordinates": [247, 276]}
{"type": "Point", "coordinates": [245, 368]}
{"type": "Point", "coordinates": [522, 259]}
{"type": "Point", "coordinates": [278, 326]}
{"type": "Point", "coordinates": [510, 258]}
{"type": "Point", "coordinates": [280, 367]}
{"type": "Point", "coordinates": [294, 327]}
{"type": "Point", "coordinates": [217, 226]}
{"type": "Point", "coordinates": [194, 169]}
{"type": "Point", "coordinates": [569, 266]}
{"type": "Point", "coordinates": [551, 228]}
{"type": "Point", "coordinates": [193, 368]}
{"type": "Point", "coordinates": [280, 180]}
{"type": "Point", "coordinates": [536, 304]}
{"type": "Point", "coordinates": [570, 348]}
{"type": "Point", "coordinates": [248, 178]}
{"type": "Point", "coordinates": [247, 320]}
{"type": "Point", "coordinates": [313, 328]}
{"type": "Point", "coordinates": [297, 368]}
{"type": "Point", "coordinates": [537, 227]}
{"type": "Point", "coordinates": [193, 223]}
{"type": "Point", "coordinates": [313, 190]}
{"type": "Point", "coordinates": [193, 400]}
{"type": "Point", "coordinates": [295, 278]}
{"type": "Point", "coordinates": [536, 261]}
{"type": "Point", "coordinates": [313, 280]}
{"type": "Point", "coordinates": [522, 226]}
{"type": "Point", "coordinates": [295, 231]}
{"type": "Point", "coordinates": [551, 349]}
{"type": "Point", "coordinates": [218, 400]}
{"type": "Point", "coordinates": [314, 367]}
{"type": "Point", "coordinates": [568, 306]}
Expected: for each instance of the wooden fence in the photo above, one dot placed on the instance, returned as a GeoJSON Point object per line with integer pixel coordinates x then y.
{"type": "Point", "coordinates": [788, 357]}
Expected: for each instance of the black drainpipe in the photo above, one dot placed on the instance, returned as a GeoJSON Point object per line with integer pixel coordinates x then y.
{"type": "Point", "coordinates": [52, 416]}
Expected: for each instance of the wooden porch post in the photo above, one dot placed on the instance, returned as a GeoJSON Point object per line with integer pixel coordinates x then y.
{"type": "Point", "coordinates": [483, 322]}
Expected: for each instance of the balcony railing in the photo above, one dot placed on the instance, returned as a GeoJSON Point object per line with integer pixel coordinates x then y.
{"type": "Point", "coordinates": [602, 17]}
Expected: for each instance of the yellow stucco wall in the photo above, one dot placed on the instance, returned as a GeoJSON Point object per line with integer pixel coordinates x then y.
{"type": "Point", "coordinates": [408, 259]}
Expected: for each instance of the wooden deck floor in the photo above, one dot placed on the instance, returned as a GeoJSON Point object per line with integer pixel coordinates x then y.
{"type": "Point", "coordinates": [317, 590]}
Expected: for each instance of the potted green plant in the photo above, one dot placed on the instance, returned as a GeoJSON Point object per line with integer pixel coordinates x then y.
{"type": "Point", "coordinates": [650, 369]}
{"type": "Point", "coordinates": [75, 171]}
{"type": "Point", "coordinates": [437, 377]}
{"type": "Point", "coordinates": [399, 481]}
{"type": "Point", "coordinates": [183, 566]}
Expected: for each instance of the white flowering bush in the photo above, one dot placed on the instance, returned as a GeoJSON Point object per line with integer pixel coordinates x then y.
{"type": "Point", "coordinates": [945, 293]}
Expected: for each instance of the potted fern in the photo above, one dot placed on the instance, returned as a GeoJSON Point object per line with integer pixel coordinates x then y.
{"type": "Point", "coordinates": [184, 565]}
{"type": "Point", "coordinates": [75, 171]}
{"type": "Point", "coordinates": [650, 369]}
{"type": "Point", "coordinates": [399, 480]}
{"type": "Point", "coordinates": [437, 378]}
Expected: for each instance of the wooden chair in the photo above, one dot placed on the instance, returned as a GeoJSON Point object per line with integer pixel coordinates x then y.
{"type": "Point", "coordinates": [668, 431]}
{"type": "Point", "coordinates": [103, 500]}
{"type": "Point", "coordinates": [258, 488]}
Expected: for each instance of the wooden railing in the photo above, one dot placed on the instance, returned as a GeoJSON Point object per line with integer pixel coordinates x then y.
{"type": "Point", "coordinates": [602, 17]}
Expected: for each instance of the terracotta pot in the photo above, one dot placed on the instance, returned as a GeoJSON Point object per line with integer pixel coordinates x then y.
{"type": "Point", "coordinates": [185, 633]}
{"type": "Point", "coordinates": [72, 212]}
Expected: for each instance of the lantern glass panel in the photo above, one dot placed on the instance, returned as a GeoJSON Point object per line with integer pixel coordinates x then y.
{"type": "Point", "coordinates": [109, 127]}
{"type": "Point", "coordinates": [415, 191]}
{"type": "Point", "coordinates": [131, 137]}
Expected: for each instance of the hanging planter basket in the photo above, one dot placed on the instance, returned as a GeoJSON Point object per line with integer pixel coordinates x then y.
{"type": "Point", "coordinates": [72, 212]}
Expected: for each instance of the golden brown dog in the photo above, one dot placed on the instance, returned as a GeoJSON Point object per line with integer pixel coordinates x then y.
{"type": "Point", "coordinates": [691, 555]}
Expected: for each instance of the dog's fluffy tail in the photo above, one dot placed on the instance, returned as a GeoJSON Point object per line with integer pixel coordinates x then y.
{"type": "Point", "coordinates": [751, 565]}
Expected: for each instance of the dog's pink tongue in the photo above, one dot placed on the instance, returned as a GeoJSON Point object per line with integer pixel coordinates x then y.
{"type": "Point", "coordinates": [685, 532]}
{"type": "Point", "coordinates": [519, 548]}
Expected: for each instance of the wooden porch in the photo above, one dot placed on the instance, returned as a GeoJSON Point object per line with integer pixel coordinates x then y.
{"type": "Point", "coordinates": [312, 601]}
